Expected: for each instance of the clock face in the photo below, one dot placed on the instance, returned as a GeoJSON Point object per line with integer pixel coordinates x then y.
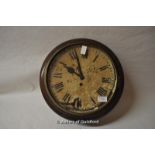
{"type": "Point", "coordinates": [80, 79]}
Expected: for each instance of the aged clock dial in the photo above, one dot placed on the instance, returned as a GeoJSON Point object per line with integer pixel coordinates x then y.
{"type": "Point", "coordinates": [81, 79]}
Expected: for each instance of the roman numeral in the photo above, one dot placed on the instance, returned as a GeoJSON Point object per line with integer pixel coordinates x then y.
{"type": "Point", "coordinates": [57, 75]}
{"type": "Point", "coordinates": [92, 100]}
{"type": "Point", "coordinates": [106, 80]}
{"type": "Point", "coordinates": [73, 55]}
{"type": "Point", "coordinates": [77, 103]}
{"type": "Point", "coordinates": [85, 56]}
{"type": "Point", "coordinates": [101, 91]}
{"type": "Point", "coordinates": [59, 86]}
{"type": "Point", "coordinates": [104, 67]}
{"type": "Point", "coordinates": [95, 58]}
{"type": "Point", "coordinates": [67, 97]}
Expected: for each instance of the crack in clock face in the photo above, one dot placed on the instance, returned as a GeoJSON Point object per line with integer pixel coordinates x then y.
{"type": "Point", "coordinates": [77, 81]}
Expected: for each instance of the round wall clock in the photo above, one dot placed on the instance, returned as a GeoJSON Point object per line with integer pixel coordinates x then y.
{"type": "Point", "coordinates": [81, 79]}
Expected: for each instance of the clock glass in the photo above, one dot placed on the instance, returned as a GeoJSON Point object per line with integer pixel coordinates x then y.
{"type": "Point", "coordinates": [81, 79]}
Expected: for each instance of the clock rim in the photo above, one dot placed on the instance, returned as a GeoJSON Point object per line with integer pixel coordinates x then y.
{"type": "Point", "coordinates": [94, 115]}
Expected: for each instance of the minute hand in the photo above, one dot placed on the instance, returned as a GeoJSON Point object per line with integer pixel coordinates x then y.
{"type": "Point", "coordinates": [79, 67]}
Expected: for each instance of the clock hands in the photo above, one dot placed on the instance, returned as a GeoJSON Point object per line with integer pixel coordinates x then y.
{"type": "Point", "coordinates": [79, 65]}
{"type": "Point", "coordinates": [70, 69]}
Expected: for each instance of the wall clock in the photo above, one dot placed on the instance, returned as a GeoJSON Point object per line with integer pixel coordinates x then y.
{"type": "Point", "coordinates": [81, 79]}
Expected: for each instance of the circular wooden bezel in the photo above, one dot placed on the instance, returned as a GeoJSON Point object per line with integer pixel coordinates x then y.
{"type": "Point", "coordinates": [85, 116]}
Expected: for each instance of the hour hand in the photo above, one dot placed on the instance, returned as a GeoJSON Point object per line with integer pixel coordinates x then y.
{"type": "Point", "coordinates": [70, 69]}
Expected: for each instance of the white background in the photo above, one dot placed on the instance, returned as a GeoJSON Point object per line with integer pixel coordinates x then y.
{"type": "Point", "coordinates": [23, 50]}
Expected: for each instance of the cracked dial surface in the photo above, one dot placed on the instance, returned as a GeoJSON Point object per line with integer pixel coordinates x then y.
{"type": "Point", "coordinates": [74, 93]}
